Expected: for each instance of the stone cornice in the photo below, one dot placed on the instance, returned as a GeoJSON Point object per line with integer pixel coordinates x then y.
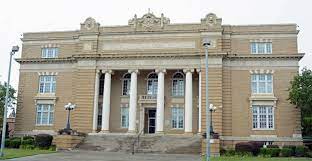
{"type": "Point", "coordinates": [266, 56]}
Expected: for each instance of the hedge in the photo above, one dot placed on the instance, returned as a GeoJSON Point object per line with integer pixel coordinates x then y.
{"type": "Point", "coordinates": [286, 152]}
{"type": "Point", "coordinates": [272, 146]}
{"type": "Point", "coordinates": [270, 152]}
{"type": "Point", "coordinates": [300, 151]}
{"type": "Point", "coordinates": [43, 140]}
{"type": "Point", "coordinates": [292, 147]}
{"type": "Point", "coordinates": [14, 142]}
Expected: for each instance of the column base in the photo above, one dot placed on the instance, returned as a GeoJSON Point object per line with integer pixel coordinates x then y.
{"type": "Point", "coordinates": [188, 133]}
{"type": "Point", "coordinates": [131, 132]}
{"type": "Point", "coordinates": [94, 131]}
{"type": "Point", "coordinates": [104, 131]}
{"type": "Point", "coordinates": [159, 132]}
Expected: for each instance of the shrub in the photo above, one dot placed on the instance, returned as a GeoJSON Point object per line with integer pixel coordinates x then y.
{"type": "Point", "coordinates": [7, 143]}
{"type": "Point", "coordinates": [308, 154]}
{"type": "Point", "coordinates": [256, 146]}
{"type": "Point", "coordinates": [230, 152]}
{"type": "Point", "coordinates": [28, 142]}
{"type": "Point", "coordinates": [28, 137]}
{"type": "Point", "coordinates": [292, 147]}
{"type": "Point", "coordinates": [52, 148]}
{"type": "Point", "coordinates": [15, 143]}
{"type": "Point", "coordinates": [286, 152]}
{"type": "Point", "coordinates": [272, 146]}
{"type": "Point", "coordinates": [43, 141]}
{"type": "Point", "coordinates": [244, 147]}
{"type": "Point", "coordinates": [300, 151]}
{"type": "Point", "coordinates": [243, 154]}
{"type": "Point", "coordinates": [270, 152]}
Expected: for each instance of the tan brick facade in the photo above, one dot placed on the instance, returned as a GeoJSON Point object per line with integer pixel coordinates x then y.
{"type": "Point", "coordinates": [150, 43]}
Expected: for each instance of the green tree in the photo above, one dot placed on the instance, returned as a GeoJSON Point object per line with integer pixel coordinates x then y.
{"type": "Point", "coordinates": [12, 99]}
{"type": "Point", "coordinates": [300, 94]}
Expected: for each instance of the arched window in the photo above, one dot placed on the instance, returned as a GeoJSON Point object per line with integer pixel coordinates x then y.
{"type": "Point", "coordinates": [178, 84]}
{"type": "Point", "coordinates": [152, 83]}
{"type": "Point", "coordinates": [126, 79]}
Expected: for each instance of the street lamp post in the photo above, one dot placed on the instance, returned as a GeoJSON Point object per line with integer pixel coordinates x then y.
{"type": "Point", "coordinates": [206, 44]}
{"type": "Point", "coordinates": [14, 50]}
{"type": "Point", "coordinates": [69, 107]}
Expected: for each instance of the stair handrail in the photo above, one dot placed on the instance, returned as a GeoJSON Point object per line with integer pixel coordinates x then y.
{"type": "Point", "coordinates": [137, 139]}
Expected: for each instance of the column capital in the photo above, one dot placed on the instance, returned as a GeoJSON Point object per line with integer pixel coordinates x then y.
{"type": "Point", "coordinates": [198, 70]}
{"type": "Point", "coordinates": [98, 71]}
{"type": "Point", "coordinates": [188, 70]}
{"type": "Point", "coordinates": [160, 70]}
{"type": "Point", "coordinates": [107, 71]}
{"type": "Point", "coordinates": [133, 71]}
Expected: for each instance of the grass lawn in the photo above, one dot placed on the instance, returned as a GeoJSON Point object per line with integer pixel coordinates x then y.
{"type": "Point", "coordinates": [17, 153]}
{"type": "Point", "coordinates": [258, 159]}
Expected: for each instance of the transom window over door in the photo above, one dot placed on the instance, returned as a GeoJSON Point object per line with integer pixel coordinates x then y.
{"type": "Point", "coordinates": [178, 84]}
{"type": "Point", "coordinates": [152, 84]}
{"type": "Point", "coordinates": [126, 80]}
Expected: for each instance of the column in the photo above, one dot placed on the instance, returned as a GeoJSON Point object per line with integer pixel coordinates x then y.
{"type": "Point", "coordinates": [133, 101]}
{"type": "Point", "coordinates": [106, 101]}
{"type": "Point", "coordinates": [96, 101]}
{"type": "Point", "coordinates": [199, 100]}
{"type": "Point", "coordinates": [160, 110]}
{"type": "Point", "coordinates": [188, 101]}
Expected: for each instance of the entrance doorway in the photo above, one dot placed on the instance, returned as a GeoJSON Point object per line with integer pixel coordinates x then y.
{"type": "Point", "coordinates": [150, 121]}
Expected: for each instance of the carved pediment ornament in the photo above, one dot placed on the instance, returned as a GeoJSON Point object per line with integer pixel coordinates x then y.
{"type": "Point", "coordinates": [89, 23]}
{"type": "Point", "coordinates": [211, 20]}
{"type": "Point", "coordinates": [149, 21]}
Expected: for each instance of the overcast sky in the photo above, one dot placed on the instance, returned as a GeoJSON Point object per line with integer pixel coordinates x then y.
{"type": "Point", "coordinates": [19, 16]}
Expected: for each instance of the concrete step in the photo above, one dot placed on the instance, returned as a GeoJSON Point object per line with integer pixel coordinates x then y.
{"type": "Point", "coordinates": [176, 144]}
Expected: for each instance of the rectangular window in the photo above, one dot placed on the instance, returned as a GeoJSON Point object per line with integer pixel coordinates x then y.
{"type": "Point", "coordinates": [262, 117]}
{"type": "Point", "coordinates": [124, 117]}
{"type": "Point", "coordinates": [47, 84]}
{"type": "Point", "coordinates": [45, 114]}
{"type": "Point", "coordinates": [177, 121]}
{"type": "Point", "coordinates": [178, 87]}
{"type": "Point", "coordinates": [261, 47]}
{"type": "Point", "coordinates": [49, 52]}
{"type": "Point", "coordinates": [261, 83]}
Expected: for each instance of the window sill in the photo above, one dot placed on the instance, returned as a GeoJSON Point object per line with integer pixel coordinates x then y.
{"type": "Point", "coordinates": [260, 53]}
{"type": "Point", "coordinates": [45, 95]}
{"type": "Point", "coordinates": [48, 125]}
{"type": "Point", "coordinates": [177, 129]}
{"type": "Point", "coordinates": [263, 96]}
{"type": "Point", "coordinates": [125, 96]}
{"type": "Point", "coordinates": [264, 129]}
{"type": "Point", "coordinates": [177, 96]}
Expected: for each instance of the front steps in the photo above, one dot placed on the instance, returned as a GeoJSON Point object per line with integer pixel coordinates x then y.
{"type": "Point", "coordinates": [172, 144]}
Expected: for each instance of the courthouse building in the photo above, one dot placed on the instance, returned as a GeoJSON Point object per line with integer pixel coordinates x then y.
{"type": "Point", "coordinates": [149, 76]}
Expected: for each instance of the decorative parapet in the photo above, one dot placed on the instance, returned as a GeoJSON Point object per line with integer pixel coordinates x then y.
{"type": "Point", "coordinates": [149, 22]}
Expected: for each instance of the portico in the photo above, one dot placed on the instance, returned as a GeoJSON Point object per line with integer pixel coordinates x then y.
{"type": "Point", "coordinates": [151, 96]}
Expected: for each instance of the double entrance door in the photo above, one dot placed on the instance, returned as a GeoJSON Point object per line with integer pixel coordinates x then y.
{"type": "Point", "coordinates": [150, 121]}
